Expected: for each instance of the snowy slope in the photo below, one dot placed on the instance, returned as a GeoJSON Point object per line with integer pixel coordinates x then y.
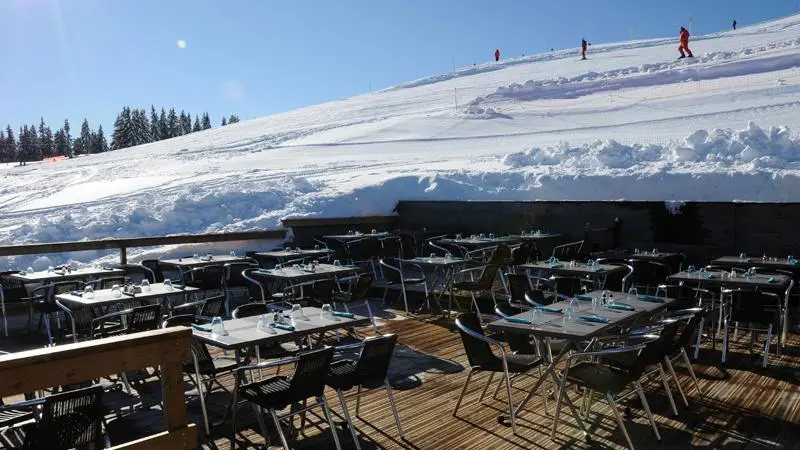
{"type": "Point", "coordinates": [632, 123]}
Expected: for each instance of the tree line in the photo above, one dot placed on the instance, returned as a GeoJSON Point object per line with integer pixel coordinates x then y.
{"type": "Point", "coordinates": [132, 127]}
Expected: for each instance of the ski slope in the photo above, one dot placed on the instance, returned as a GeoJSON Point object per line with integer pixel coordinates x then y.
{"type": "Point", "coordinates": [631, 122]}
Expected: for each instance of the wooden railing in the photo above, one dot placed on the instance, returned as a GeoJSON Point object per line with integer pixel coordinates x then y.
{"type": "Point", "coordinates": [33, 370]}
{"type": "Point", "coordinates": [126, 243]}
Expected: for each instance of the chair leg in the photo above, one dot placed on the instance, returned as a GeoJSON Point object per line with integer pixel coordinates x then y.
{"type": "Point", "coordinates": [202, 395]}
{"type": "Point", "coordinates": [394, 410]}
{"type": "Point", "coordinates": [646, 407]}
{"type": "Point", "coordinates": [511, 404]}
{"type": "Point", "coordinates": [463, 390]}
{"type": "Point", "coordinates": [699, 337]}
{"type": "Point", "coordinates": [371, 316]}
{"type": "Point", "coordinates": [358, 399]}
{"type": "Point", "coordinates": [610, 399]}
{"type": "Point", "coordinates": [278, 427]}
{"type": "Point", "coordinates": [486, 387]}
{"type": "Point", "coordinates": [477, 310]}
{"type": "Point", "coordinates": [667, 390]}
{"type": "Point", "coordinates": [261, 424]}
{"type": "Point", "coordinates": [347, 418]}
{"type": "Point", "coordinates": [330, 422]}
{"type": "Point", "coordinates": [675, 377]}
{"type": "Point", "coordinates": [725, 342]}
{"type": "Point", "coordinates": [766, 346]}
{"type": "Point", "coordinates": [691, 371]}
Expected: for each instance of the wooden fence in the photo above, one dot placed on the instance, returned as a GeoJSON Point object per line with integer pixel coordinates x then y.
{"type": "Point", "coordinates": [32, 370]}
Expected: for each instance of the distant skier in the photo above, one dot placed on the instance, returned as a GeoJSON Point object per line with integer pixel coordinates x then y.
{"type": "Point", "coordinates": [684, 46]}
{"type": "Point", "coordinates": [497, 55]}
{"type": "Point", "coordinates": [583, 48]}
{"type": "Point", "coordinates": [734, 24]}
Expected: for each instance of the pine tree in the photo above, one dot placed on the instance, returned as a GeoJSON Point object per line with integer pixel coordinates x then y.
{"type": "Point", "coordinates": [163, 131]}
{"type": "Point", "coordinates": [196, 126]}
{"type": "Point", "coordinates": [206, 124]}
{"type": "Point", "coordinates": [99, 144]}
{"type": "Point", "coordinates": [224, 121]}
{"type": "Point", "coordinates": [67, 139]}
{"type": "Point", "coordinates": [140, 128]}
{"type": "Point", "coordinates": [2, 146]}
{"type": "Point", "coordinates": [181, 122]}
{"type": "Point", "coordinates": [155, 134]}
{"type": "Point", "coordinates": [172, 123]}
{"type": "Point", "coordinates": [11, 144]}
{"type": "Point", "coordinates": [233, 119]}
{"type": "Point", "coordinates": [33, 144]}
{"type": "Point", "coordinates": [60, 143]}
{"type": "Point", "coordinates": [45, 140]}
{"type": "Point", "coordinates": [186, 123]}
{"type": "Point", "coordinates": [122, 137]}
{"type": "Point", "coordinates": [83, 145]}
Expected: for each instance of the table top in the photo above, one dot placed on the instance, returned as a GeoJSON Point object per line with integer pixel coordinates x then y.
{"type": "Point", "coordinates": [295, 253]}
{"type": "Point", "coordinates": [84, 273]}
{"type": "Point", "coordinates": [105, 297]}
{"type": "Point", "coordinates": [723, 278]}
{"type": "Point", "coordinates": [204, 261]}
{"type": "Point", "coordinates": [628, 254]}
{"type": "Point", "coordinates": [354, 236]}
{"type": "Point", "coordinates": [775, 263]}
{"type": "Point", "coordinates": [436, 261]}
{"type": "Point", "coordinates": [552, 324]}
{"type": "Point", "coordinates": [564, 267]}
{"type": "Point", "coordinates": [245, 333]}
{"type": "Point", "coordinates": [535, 236]}
{"type": "Point", "coordinates": [320, 271]}
{"type": "Point", "coordinates": [479, 241]}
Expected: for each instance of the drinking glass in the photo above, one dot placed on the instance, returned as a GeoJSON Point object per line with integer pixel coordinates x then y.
{"type": "Point", "coordinates": [209, 256]}
{"type": "Point", "coordinates": [265, 323]}
{"type": "Point", "coordinates": [297, 312]}
{"type": "Point", "coordinates": [167, 284]}
{"type": "Point", "coordinates": [50, 269]}
{"type": "Point", "coordinates": [742, 256]}
{"type": "Point", "coordinates": [597, 304]}
{"type": "Point", "coordinates": [29, 270]}
{"type": "Point", "coordinates": [458, 237]}
{"type": "Point", "coordinates": [636, 251]}
{"type": "Point", "coordinates": [327, 312]}
{"type": "Point", "coordinates": [88, 292]}
{"type": "Point", "coordinates": [633, 293]}
{"type": "Point", "coordinates": [433, 255]}
{"type": "Point", "coordinates": [316, 247]}
{"type": "Point", "coordinates": [218, 327]}
{"type": "Point", "coordinates": [569, 316]}
{"type": "Point", "coordinates": [233, 253]}
{"type": "Point", "coordinates": [537, 316]}
{"type": "Point", "coordinates": [482, 236]}
{"type": "Point", "coordinates": [116, 291]}
{"type": "Point", "coordinates": [145, 286]}
{"type": "Point", "coordinates": [374, 231]}
{"type": "Point", "coordinates": [337, 263]}
{"type": "Point", "coordinates": [278, 267]}
{"type": "Point", "coordinates": [448, 255]}
{"type": "Point", "coordinates": [690, 269]}
{"type": "Point", "coordinates": [196, 256]}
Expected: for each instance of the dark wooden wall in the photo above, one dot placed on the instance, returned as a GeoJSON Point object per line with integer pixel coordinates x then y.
{"type": "Point", "coordinates": [701, 230]}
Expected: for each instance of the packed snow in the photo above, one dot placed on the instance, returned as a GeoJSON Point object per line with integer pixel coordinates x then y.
{"type": "Point", "coordinates": [632, 122]}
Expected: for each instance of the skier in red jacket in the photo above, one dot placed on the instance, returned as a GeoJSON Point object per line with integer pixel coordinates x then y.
{"type": "Point", "coordinates": [684, 44]}
{"type": "Point", "coordinates": [583, 48]}
{"type": "Point", "coordinates": [497, 55]}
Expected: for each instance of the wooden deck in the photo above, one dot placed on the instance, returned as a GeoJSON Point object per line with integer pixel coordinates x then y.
{"type": "Point", "coordinates": [742, 406]}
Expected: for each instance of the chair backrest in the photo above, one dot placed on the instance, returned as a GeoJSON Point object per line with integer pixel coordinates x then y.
{"type": "Point", "coordinates": [250, 310]}
{"type": "Point", "coordinates": [144, 318]}
{"type": "Point", "coordinates": [689, 331]}
{"type": "Point", "coordinates": [518, 285]}
{"type": "Point", "coordinates": [568, 251]}
{"type": "Point", "coordinates": [71, 419]}
{"type": "Point", "coordinates": [362, 286]}
{"type": "Point", "coordinates": [108, 283]}
{"type": "Point", "coordinates": [12, 290]}
{"type": "Point", "coordinates": [210, 277]}
{"type": "Point", "coordinates": [136, 272]}
{"type": "Point", "coordinates": [232, 275]}
{"type": "Point", "coordinates": [390, 247]}
{"type": "Point", "coordinates": [478, 351]}
{"type": "Point", "coordinates": [185, 320]}
{"type": "Point", "coordinates": [65, 287]}
{"type": "Point", "coordinates": [199, 349]}
{"type": "Point", "coordinates": [258, 288]}
{"type": "Point", "coordinates": [376, 354]}
{"type": "Point", "coordinates": [537, 296]}
{"type": "Point", "coordinates": [322, 290]}
{"type": "Point", "coordinates": [363, 249]}
{"type": "Point", "coordinates": [522, 253]}
{"type": "Point", "coordinates": [155, 270]}
{"type": "Point", "coordinates": [393, 271]}
{"type": "Point", "coordinates": [653, 352]}
{"type": "Point", "coordinates": [212, 306]}
{"type": "Point", "coordinates": [648, 274]}
{"type": "Point", "coordinates": [486, 279]}
{"type": "Point", "coordinates": [569, 286]}
{"type": "Point", "coordinates": [501, 256]}
{"type": "Point", "coordinates": [310, 374]}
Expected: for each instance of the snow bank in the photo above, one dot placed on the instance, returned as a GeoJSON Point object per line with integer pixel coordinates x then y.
{"type": "Point", "coordinates": [751, 148]}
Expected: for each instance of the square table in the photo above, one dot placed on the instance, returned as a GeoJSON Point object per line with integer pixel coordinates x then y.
{"type": "Point", "coordinates": [104, 297]}
{"type": "Point", "coordinates": [553, 326]}
{"type": "Point", "coordinates": [289, 254]}
{"type": "Point", "coordinates": [60, 275]}
{"type": "Point", "coordinates": [768, 263]}
{"type": "Point", "coordinates": [447, 267]}
{"type": "Point", "coordinates": [535, 236]}
{"type": "Point", "coordinates": [598, 273]}
{"type": "Point", "coordinates": [358, 235]}
{"type": "Point", "coordinates": [203, 261]}
{"type": "Point", "coordinates": [773, 283]}
{"type": "Point", "coordinates": [480, 241]}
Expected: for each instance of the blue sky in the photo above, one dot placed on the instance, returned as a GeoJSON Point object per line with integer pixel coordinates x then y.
{"type": "Point", "coordinates": [88, 58]}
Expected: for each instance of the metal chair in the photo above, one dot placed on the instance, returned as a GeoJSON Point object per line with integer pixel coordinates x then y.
{"type": "Point", "coordinates": [761, 311]}
{"type": "Point", "coordinates": [107, 283]}
{"type": "Point", "coordinates": [647, 275]}
{"type": "Point", "coordinates": [71, 419]}
{"type": "Point", "coordinates": [206, 279]}
{"type": "Point", "coordinates": [136, 272]}
{"type": "Point", "coordinates": [272, 350]}
{"type": "Point", "coordinates": [481, 359]}
{"type": "Point", "coordinates": [277, 392]}
{"type": "Point", "coordinates": [232, 280]}
{"type": "Point", "coordinates": [204, 310]}
{"type": "Point", "coordinates": [369, 371]}
{"type": "Point", "coordinates": [568, 251]}
{"type": "Point", "coordinates": [359, 289]}
{"type": "Point", "coordinates": [11, 291]}
{"type": "Point", "coordinates": [46, 305]}
{"type": "Point", "coordinates": [397, 275]}
{"type": "Point", "coordinates": [202, 369]}
{"type": "Point", "coordinates": [484, 283]}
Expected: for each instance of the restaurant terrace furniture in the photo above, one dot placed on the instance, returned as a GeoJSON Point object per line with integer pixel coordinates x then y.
{"type": "Point", "coordinates": [203, 310]}
{"type": "Point", "coordinates": [63, 274]}
{"type": "Point", "coordinates": [760, 311]}
{"type": "Point", "coordinates": [444, 269]}
{"type": "Point", "coordinates": [277, 392]}
{"type": "Point", "coordinates": [369, 371]}
{"type": "Point", "coordinates": [596, 272]}
{"type": "Point", "coordinates": [233, 280]}
{"type": "Point", "coordinates": [273, 350]}
{"type": "Point", "coordinates": [647, 275]}
{"type": "Point", "coordinates": [358, 290]}
{"type": "Point", "coordinates": [475, 286]}
{"type": "Point", "coordinates": [482, 359]}
{"type": "Point", "coordinates": [287, 254]}
{"type": "Point", "coordinates": [568, 251]}
{"type": "Point", "coordinates": [106, 298]}
{"type": "Point", "coordinates": [401, 273]}
{"type": "Point", "coordinates": [191, 262]}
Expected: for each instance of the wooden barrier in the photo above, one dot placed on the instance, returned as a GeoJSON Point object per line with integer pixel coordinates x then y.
{"type": "Point", "coordinates": [32, 370]}
{"type": "Point", "coordinates": [126, 243]}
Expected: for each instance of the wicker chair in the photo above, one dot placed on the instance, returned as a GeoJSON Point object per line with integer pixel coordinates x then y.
{"type": "Point", "coordinates": [72, 419]}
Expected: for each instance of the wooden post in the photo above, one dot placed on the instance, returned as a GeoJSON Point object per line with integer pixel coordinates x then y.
{"type": "Point", "coordinates": [123, 255]}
